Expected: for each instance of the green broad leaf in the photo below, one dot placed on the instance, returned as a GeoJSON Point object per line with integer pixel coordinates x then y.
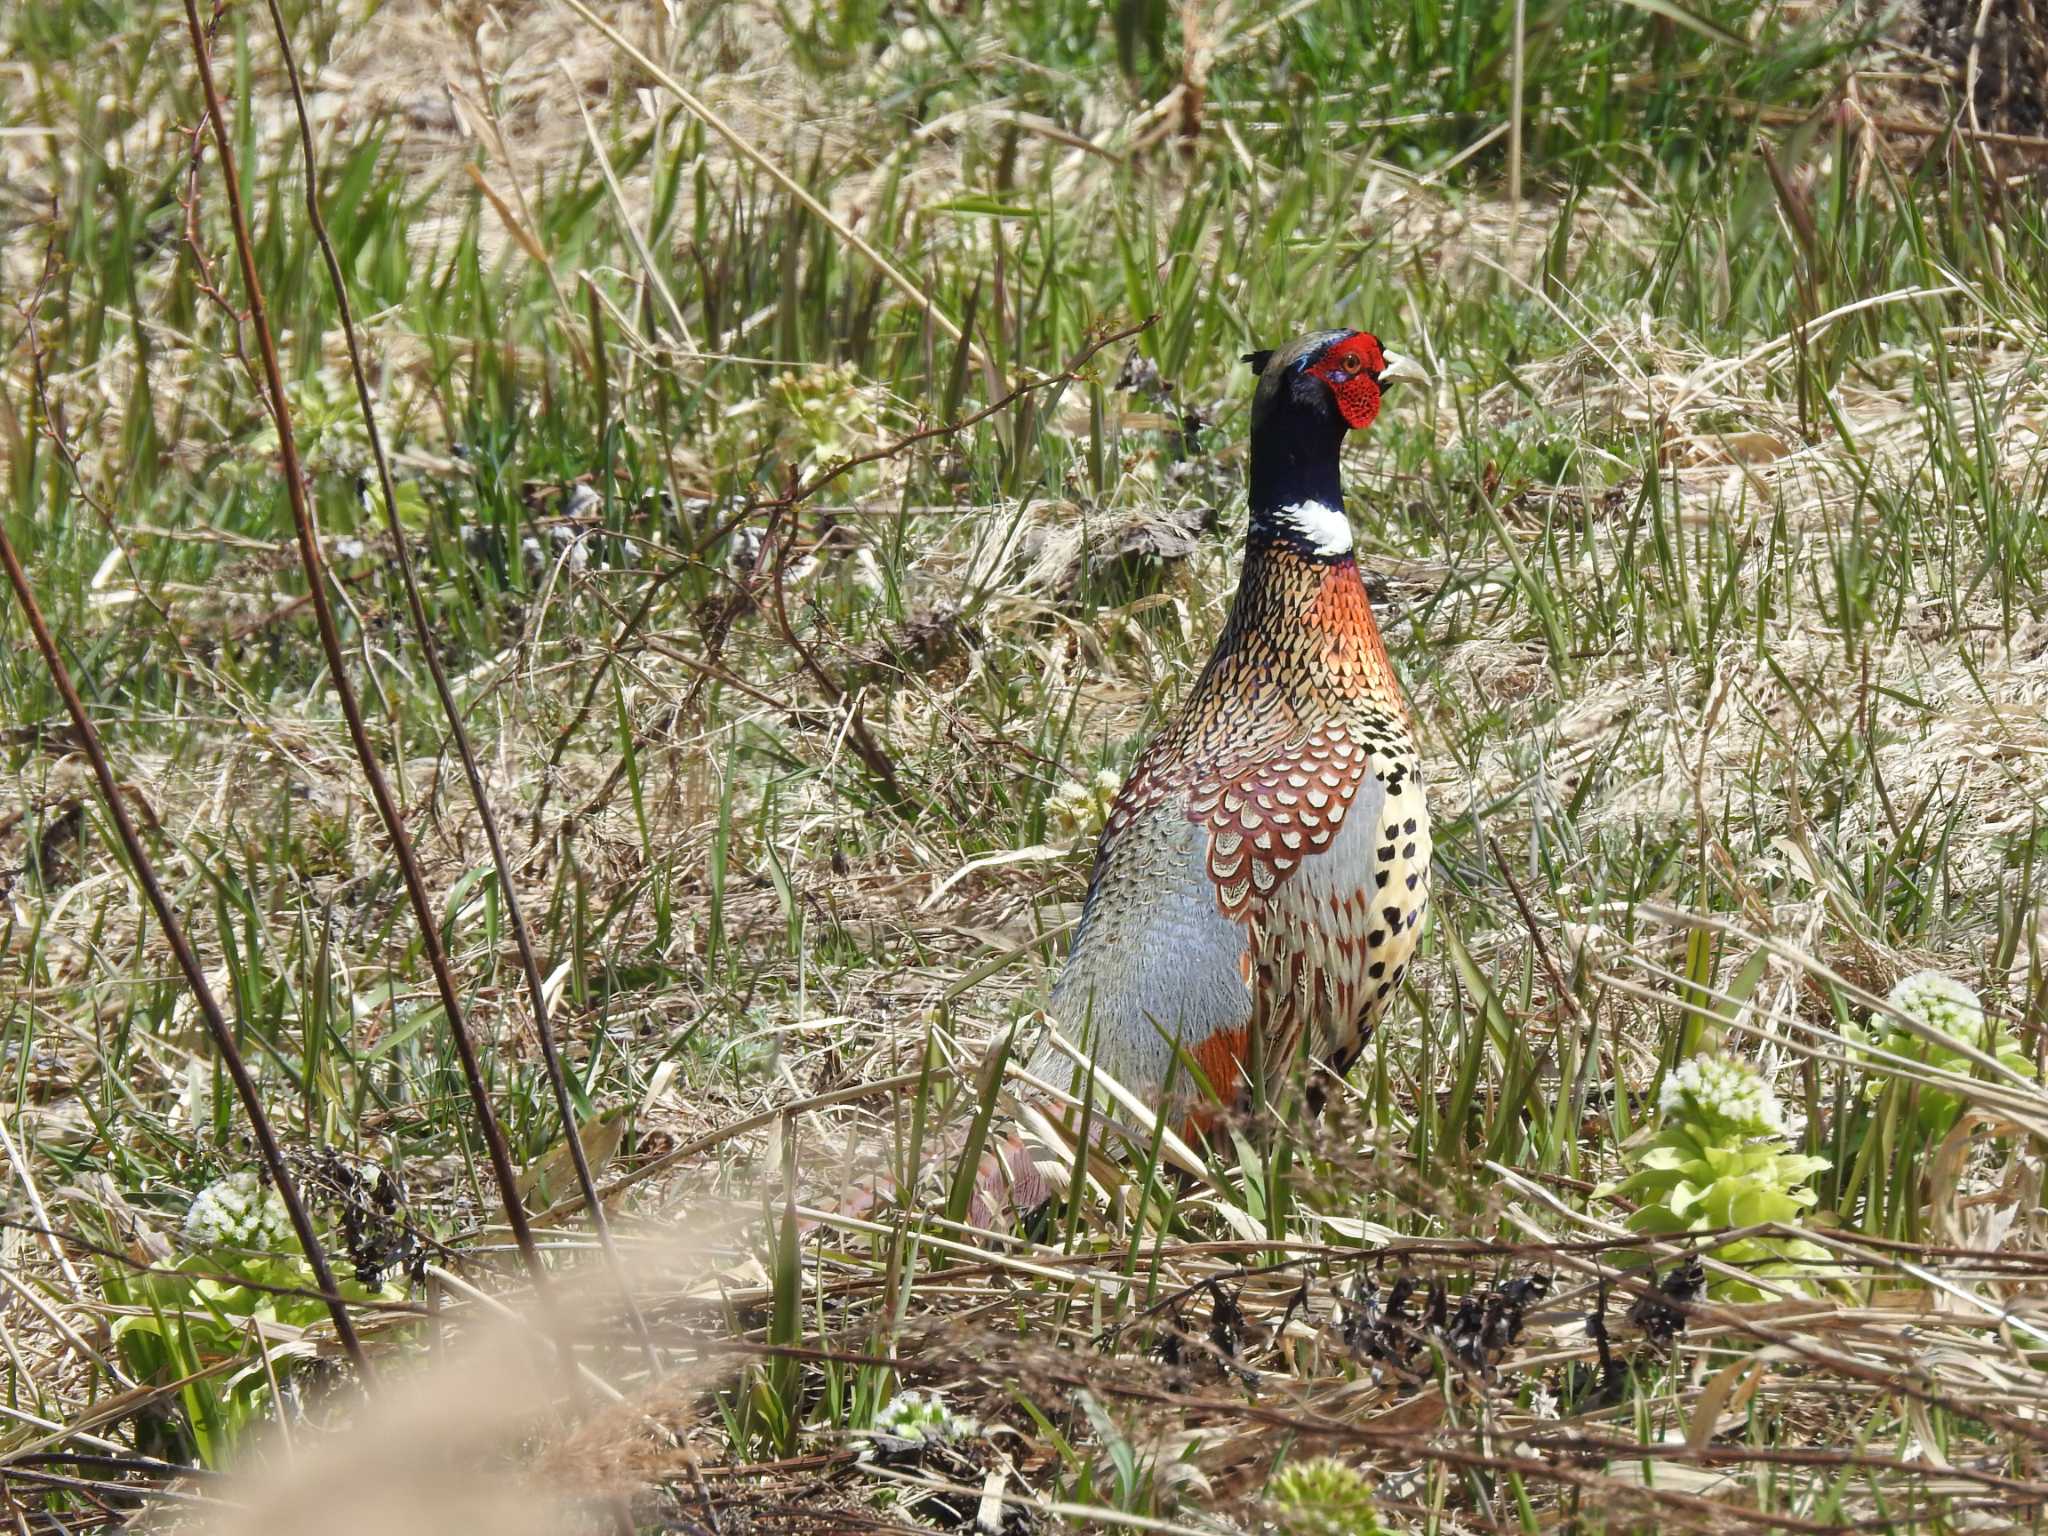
{"type": "Point", "coordinates": [140, 1324]}
{"type": "Point", "coordinates": [1726, 1161]}
{"type": "Point", "coordinates": [1657, 1221]}
{"type": "Point", "coordinates": [1691, 1136]}
{"type": "Point", "coordinates": [1797, 1167]}
{"type": "Point", "coordinates": [1638, 1189]}
{"type": "Point", "coordinates": [552, 1176]}
{"type": "Point", "coordinates": [1752, 1205]}
{"type": "Point", "coordinates": [414, 515]}
{"type": "Point", "coordinates": [1759, 1160]}
{"type": "Point", "coordinates": [1646, 1183]}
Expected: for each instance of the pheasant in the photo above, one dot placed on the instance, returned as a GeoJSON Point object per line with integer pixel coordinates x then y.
{"type": "Point", "coordinates": [1263, 872]}
{"type": "Point", "coordinates": [1264, 869]}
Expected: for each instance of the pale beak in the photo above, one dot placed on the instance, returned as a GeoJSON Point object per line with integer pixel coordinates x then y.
{"type": "Point", "coordinates": [1401, 366]}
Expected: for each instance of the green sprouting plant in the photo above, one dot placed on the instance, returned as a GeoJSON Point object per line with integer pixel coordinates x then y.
{"type": "Point", "coordinates": [326, 421]}
{"type": "Point", "coordinates": [243, 1277]}
{"type": "Point", "coordinates": [1721, 1158]}
{"type": "Point", "coordinates": [1323, 1496]}
{"type": "Point", "coordinates": [1952, 1011]}
{"type": "Point", "coordinates": [912, 1419]}
{"type": "Point", "coordinates": [827, 413]}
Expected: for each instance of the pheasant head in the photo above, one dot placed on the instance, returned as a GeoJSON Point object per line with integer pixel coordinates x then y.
{"type": "Point", "coordinates": [1310, 393]}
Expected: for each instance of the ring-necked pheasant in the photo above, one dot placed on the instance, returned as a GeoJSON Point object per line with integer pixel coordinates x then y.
{"type": "Point", "coordinates": [1263, 872]}
{"type": "Point", "coordinates": [1264, 869]}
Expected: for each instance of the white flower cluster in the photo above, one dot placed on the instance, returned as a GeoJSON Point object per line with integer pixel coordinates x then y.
{"type": "Point", "coordinates": [1724, 1090]}
{"type": "Point", "coordinates": [240, 1211]}
{"type": "Point", "coordinates": [1077, 811]}
{"type": "Point", "coordinates": [1943, 1003]}
{"type": "Point", "coordinates": [913, 1418]}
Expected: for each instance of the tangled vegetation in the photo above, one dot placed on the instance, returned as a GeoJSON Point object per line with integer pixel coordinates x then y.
{"type": "Point", "coordinates": [811, 456]}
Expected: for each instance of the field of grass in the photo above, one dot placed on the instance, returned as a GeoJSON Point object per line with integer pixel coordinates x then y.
{"type": "Point", "coordinates": [1715, 563]}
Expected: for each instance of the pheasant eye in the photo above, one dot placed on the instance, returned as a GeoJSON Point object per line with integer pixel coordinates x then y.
{"type": "Point", "coordinates": [1348, 362]}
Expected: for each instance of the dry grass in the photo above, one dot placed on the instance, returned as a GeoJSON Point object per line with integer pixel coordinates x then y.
{"type": "Point", "coordinates": [1720, 605]}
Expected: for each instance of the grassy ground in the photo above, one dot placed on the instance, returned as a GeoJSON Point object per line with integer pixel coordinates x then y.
{"type": "Point", "coordinates": [1714, 564]}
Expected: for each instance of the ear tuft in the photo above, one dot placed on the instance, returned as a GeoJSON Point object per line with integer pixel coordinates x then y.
{"type": "Point", "coordinates": [1258, 360]}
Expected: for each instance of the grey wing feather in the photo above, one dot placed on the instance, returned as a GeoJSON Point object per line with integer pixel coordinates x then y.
{"type": "Point", "coordinates": [1154, 959]}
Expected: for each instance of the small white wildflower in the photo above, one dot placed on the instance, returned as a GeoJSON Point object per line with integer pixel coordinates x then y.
{"type": "Point", "coordinates": [1725, 1090]}
{"type": "Point", "coordinates": [912, 1419]}
{"type": "Point", "coordinates": [239, 1211]}
{"type": "Point", "coordinates": [1948, 1025]}
{"type": "Point", "coordinates": [1943, 1003]}
{"type": "Point", "coordinates": [1543, 1404]}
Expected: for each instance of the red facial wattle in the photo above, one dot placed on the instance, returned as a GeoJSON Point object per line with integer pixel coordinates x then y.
{"type": "Point", "coordinates": [1351, 368]}
{"type": "Point", "coordinates": [1358, 399]}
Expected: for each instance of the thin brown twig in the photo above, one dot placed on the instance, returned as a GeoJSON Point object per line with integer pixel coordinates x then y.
{"type": "Point", "coordinates": [1315, 1427]}
{"type": "Point", "coordinates": [714, 629]}
{"type": "Point", "coordinates": [91, 1489]}
{"type": "Point", "coordinates": [337, 666]}
{"type": "Point", "coordinates": [1568, 1444]}
{"type": "Point", "coordinates": [1786, 117]}
{"type": "Point", "coordinates": [951, 429]}
{"type": "Point", "coordinates": [865, 746]}
{"type": "Point", "coordinates": [710, 670]}
{"type": "Point", "coordinates": [1558, 984]}
{"type": "Point", "coordinates": [508, 889]}
{"type": "Point", "coordinates": [560, 749]}
{"type": "Point", "coordinates": [203, 280]}
{"type": "Point", "coordinates": [181, 947]}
